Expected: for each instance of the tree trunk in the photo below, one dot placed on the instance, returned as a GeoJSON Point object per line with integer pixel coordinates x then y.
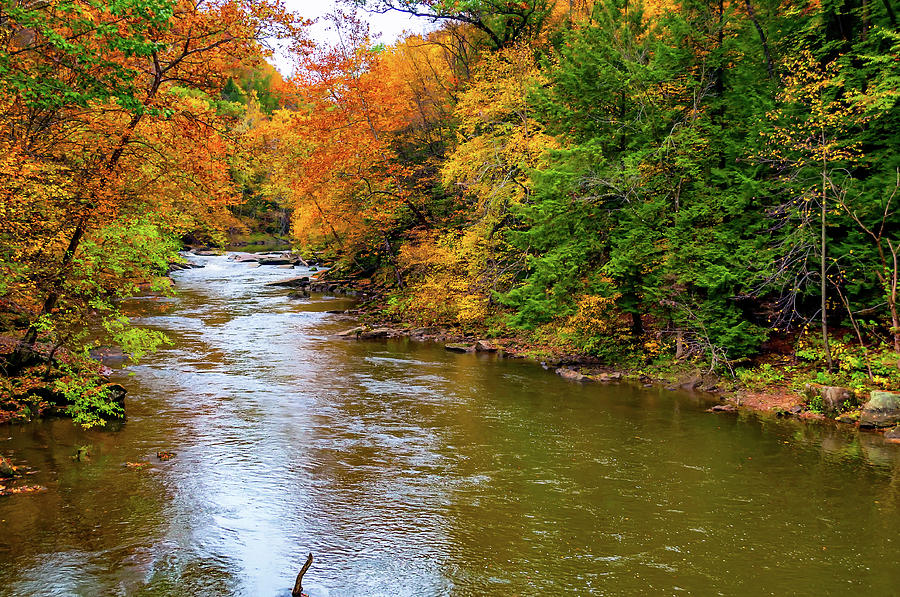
{"type": "Point", "coordinates": [762, 38]}
{"type": "Point", "coordinates": [824, 279]}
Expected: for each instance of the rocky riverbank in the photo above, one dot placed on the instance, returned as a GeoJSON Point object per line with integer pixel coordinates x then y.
{"type": "Point", "coordinates": [873, 410]}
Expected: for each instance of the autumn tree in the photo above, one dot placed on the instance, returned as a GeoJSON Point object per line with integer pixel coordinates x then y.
{"type": "Point", "coordinates": [100, 93]}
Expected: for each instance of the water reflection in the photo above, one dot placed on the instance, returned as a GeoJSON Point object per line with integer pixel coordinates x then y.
{"type": "Point", "coordinates": [408, 470]}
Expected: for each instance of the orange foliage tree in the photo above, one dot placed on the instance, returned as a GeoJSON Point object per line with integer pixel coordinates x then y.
{"type": "Point", "coordinates": [109, 123]}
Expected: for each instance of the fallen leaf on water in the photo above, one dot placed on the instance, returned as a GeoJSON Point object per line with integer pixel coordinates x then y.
{"type": "Point", "coordinates": [22, 489]}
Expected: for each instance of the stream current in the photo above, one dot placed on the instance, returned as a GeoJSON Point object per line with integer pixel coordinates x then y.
{"type": "Point", "coordinates": [411, 471]}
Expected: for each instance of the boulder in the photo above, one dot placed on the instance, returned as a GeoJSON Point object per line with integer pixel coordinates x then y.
{"type": "Point", "coordinates": [571, 374]}
{"type": "Point", "coordinates": [109, 355]}
{"type": "Point", "coordinates": [485, 346]}
{"type": "Point", "coordinates": [851, 418]}
{"type": "Point", "coordinates": [276, 261]}
{"type": "Point", "coordinates": [459, 347]}
{"type": "Point", "coordinates": [246, 258]}
{"type": "Point", "coordinates": [291, 282]}
{"type": "Point", "coordinates": [116, 393]}
{"type": "Point", "coordinates": [353, 332]}
{"type": "Point", "coordinates": [377, 333]}
{"type": "Point", "coordinates": [833, 397]}
{"type": "Point", "coordinates": [893, 435]}
{"type": "Point", "coordinates": [286, 266]}
{"type": "Point", "coordinates": [882, 410]}
{"type": "Point", "coordinates": [608, 377]}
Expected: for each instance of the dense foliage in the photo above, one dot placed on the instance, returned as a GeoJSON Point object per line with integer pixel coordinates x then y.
{"type": "Point", "coordinates": [701, 180]}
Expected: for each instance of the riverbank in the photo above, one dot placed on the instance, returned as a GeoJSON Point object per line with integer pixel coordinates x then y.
{"type": "Point", "coordinates": [779, 382]}
{"type": "Point", "coordinates": [56, 383]}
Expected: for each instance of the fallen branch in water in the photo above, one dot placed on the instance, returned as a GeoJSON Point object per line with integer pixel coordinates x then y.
{"type": "Point", "coordinates": [298, 584]}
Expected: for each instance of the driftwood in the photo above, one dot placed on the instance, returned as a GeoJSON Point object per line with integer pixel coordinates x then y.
{"type": "Point", "coordinates": [298, 584]}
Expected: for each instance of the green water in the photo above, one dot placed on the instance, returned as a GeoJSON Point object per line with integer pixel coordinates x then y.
{"type": "Point", "coordinates": [407, 470]}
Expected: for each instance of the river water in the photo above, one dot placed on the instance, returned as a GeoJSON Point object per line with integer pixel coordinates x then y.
{"type": "Point", "coordinates": [407, 470]}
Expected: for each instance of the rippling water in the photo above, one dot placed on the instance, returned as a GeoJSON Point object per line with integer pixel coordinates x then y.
{"type": "Point", "coordinates": [408, 470]}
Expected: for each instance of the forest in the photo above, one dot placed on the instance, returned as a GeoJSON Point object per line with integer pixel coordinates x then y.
{"type": "Point", "coordinates": [706, 183]}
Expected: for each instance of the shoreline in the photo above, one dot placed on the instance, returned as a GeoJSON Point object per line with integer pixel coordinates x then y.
{"type": "Point", "coordinates": [732, 394]}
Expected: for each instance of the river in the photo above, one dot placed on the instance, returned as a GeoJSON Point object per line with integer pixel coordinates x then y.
{"type": "Point", "coordinates": [408, 470]}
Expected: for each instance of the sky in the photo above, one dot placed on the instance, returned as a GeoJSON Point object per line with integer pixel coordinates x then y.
{"type": "Point", "coordinates": [386, 28]}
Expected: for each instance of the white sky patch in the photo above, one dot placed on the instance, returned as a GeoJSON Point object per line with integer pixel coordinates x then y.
{"type": "Point", "coordinates": [385, 28]}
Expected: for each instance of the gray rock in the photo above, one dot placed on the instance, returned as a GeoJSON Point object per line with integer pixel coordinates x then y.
{"type": "Point", "coordinates": [614, 376]}
{"type": "Point", "coordinates": [485, 346]}
{"type": "Point", "coordinates": [377, 333]}
{"type": "Point", "coordinates": [353, 332]}
{"type": "Point", "coordinates": [286, 266]}
{"type": "Point", "coordinates": [572, 375]}
{"type": "Point", "coordinates": [459, 347]}
{"type": "Point", "coordinates": [291, 282]}
{"type": "Point", "coordinates": [893, 435]}
{"type": "Point", "coordinates": [882, 410]}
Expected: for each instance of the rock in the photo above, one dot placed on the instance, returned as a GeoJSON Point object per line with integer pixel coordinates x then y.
{"type": "Point", "coordinates": [116, 393]}
{"type": "Point", "coordinates": [833, 397]}
{"type": "Point", "coordinates": [882, 410]}
{"type": "Point", "coordinates": [796, 409]}
{"type": "Point", "coordinates": [722, 408]}
{"type": "Point", "coordinates": [377, 333]}
{"type": "Point", "coordinates": [614, 376]}
{"type": "Point", "coordinates": [299, 294]}
{"type": "Point", "coordinates": [571, 374]}
{"type": "Point", "coordinates": [109, 355]}
{"type": "Point", "coordinates": [459, 347]}
{"type": "Point", "coordinates": [893, 435]}
{"type": "Point", "coordinates": [485, 346]}
{"type": "Point", "coordinates": [276, 261]}
{"type": "Point", "coordinates": [252, 265]}
{"type": "Point", "coordinates": [286, 266]}
{"type": "Point", "coordinates": [291, 282]}
{"type": "Point", "coordinates": [425, 331]}
{"type": "Point", "coordinates": [206, 253]}
{"type": "Point", "coordinates": [849, 418]}
{"type": "Point", "coordinates": [6, 469]}
{"type": "Point", "coordinates": [246, 258]}
{"type": "Point", "coordinates": [353, 332]}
